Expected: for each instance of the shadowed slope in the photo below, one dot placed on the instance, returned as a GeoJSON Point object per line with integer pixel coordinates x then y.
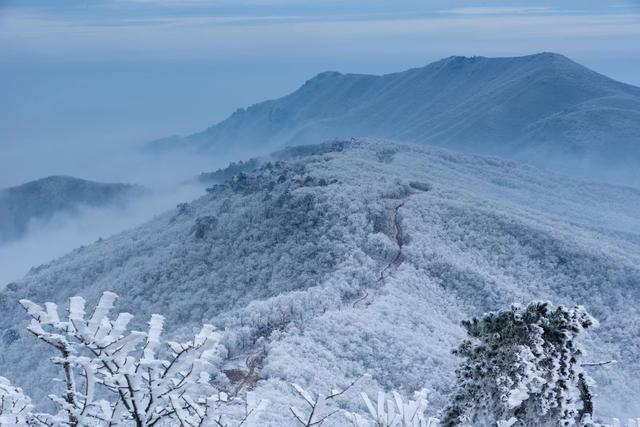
{"type": "Point", "coordinates": [42, 199]}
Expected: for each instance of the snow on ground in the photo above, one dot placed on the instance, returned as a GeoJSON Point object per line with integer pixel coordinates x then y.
{"type": "Point", "coordinates": [362, 257]}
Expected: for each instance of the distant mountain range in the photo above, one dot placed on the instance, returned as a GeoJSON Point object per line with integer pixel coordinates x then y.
{"type": "Point", "coordinates": [347, 258]}
{"type": "Point", "coordinates": [41, 200]}
{"type": "Point", "coordinates": [543, 108]}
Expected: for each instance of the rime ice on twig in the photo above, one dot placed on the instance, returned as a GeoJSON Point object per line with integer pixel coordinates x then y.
{"type": "Point", "coordinates": [143, 385]}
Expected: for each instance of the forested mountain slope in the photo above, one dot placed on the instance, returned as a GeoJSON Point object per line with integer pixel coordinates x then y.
{"type": "Point", "coordinates": [346, 258]}
{"type": "Point", "coordinates": [544, 109]}
{"type": "Point", "coordinates": [44, 198]}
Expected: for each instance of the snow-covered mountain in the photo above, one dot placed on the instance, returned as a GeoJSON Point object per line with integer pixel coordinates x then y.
{"type": "Point", "coordinates": [544, 109]}
{"type": "Point", "coordinates": [44, 198]}
{"type": "Point", "coordinates": [362, 257]}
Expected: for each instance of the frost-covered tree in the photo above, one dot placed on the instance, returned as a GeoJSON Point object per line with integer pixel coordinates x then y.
{"type": "Point", "coordinates": [522, 365]}
{"type": "Point", "coordinates": [114, 376]}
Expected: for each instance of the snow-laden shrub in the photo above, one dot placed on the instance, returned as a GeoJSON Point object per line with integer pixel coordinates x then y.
{"type": "Point", "coordinates": [520, 369]}
{"type": "Point", "coordinates": [114, 376]}
{"type": "Point", "coordinates": [394, 411]}
{"type": "Point", "coordinates": [522, 364]}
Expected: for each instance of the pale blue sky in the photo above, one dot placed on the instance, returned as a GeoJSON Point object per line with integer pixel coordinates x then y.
{"type": "Point", "coordinates": [90, 72]}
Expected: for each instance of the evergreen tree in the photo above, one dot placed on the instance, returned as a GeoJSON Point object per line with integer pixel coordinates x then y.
{"type": "Point", "coordinates": [522, 363]}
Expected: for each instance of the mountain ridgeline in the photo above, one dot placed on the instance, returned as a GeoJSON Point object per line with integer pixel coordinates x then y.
{"type": "Point", "coordinates": [544, 109]}
{"type": "Point", "coordinates": [41, 200]}
{"type": "Point", "coordinates": [348, 258]}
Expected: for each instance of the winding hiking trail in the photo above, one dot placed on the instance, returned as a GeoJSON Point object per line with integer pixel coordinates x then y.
{"type": "Point", "coordinates": [397, 259]}
{"type": "Point", "coordinates": [397, 231]}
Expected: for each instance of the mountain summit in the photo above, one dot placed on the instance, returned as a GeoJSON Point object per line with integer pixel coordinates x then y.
{"type": "Point", "coordinates": [543, 108]}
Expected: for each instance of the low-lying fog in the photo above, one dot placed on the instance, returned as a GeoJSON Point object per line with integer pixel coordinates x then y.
{"type": "Point", "coordinates": [170, 177]}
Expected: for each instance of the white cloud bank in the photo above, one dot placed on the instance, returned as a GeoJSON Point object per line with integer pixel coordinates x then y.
{"type": "Point", "coordinates": [473, 30]}
{"type": "Point", "coordinates": [497, 10]}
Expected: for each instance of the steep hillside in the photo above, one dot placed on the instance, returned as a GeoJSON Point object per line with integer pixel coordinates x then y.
{"type": "Point", "coordinates": [362, 257]}
{"type": "Point", "coordinates": [532, 108]}
{"type": "Point", "coordinates": [42, 199]}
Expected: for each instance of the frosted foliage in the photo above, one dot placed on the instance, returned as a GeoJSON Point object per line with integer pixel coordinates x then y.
{"type": "Point", "coordinates": [390, 409]}
{"type": "Point", "coordinates": [522, 364]}
{"type": "Point", "coordinates": [114, 376]}
{"type": "Point", "coordinates": [394, 412]}
{"type": "Point", "coordinates": [352, 258]}
{"type": "Point", "coordinates": [15, 407]}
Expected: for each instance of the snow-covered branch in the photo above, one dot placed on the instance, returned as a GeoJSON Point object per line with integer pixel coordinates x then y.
{"type": "Point", "coordinates": [598, 364]}
{"type": "Point", "coordinates": [143, 382]}
{"type": "Point", "coordinates": [395, 412]}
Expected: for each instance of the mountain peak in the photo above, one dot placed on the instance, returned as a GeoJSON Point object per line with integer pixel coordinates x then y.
{"type": "Point", "coordinates": [458, 60]}
{"type": "Point", "coordinates": [530, 107]}
{"type": "Point", "coordinates": [58, 180]}
{"type": "Point", "coordinates": [550, 57]}
{"type": "Point", "coordinates": [548, 54]}
{"type": "Point", "coordinates": [325, 75]}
